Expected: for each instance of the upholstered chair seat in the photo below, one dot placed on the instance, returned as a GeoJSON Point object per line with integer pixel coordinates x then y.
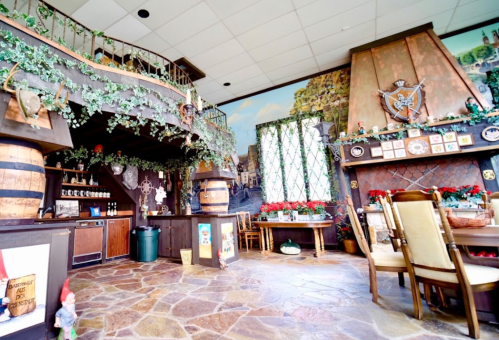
{"type": "Point", "coordinates": [388, 259]}
{"type": "Point", "coordinates": [477, 275]}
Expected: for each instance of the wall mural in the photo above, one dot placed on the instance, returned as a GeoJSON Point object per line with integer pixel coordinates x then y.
{"type": "Point", "coordinates": [328, 92]}
{"type": "Point", "coordinates": [477, 51]}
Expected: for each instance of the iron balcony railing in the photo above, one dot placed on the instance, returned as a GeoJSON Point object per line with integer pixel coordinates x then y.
{"type": "Point", "coordinates": [51, 23]}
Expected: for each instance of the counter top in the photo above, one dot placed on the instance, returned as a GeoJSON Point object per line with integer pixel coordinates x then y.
{"type": "Point", "coordinates": [40, 226]}
{"type": "Point", "coordinates": [190, 216]}
{"type": "Point", "coordinates": [69, 219]}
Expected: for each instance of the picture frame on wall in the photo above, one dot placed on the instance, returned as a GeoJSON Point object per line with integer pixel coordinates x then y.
{"type": "Point", "coordinates": [398, 144]}
{"type": "Point", "coordinates": [414, 133]}
{"type": "Point", "coordinates": [387, 146]}
{"type": "Point", "coordinates": [377, 152]}
{"type": "Point", "coordinates": [465, 140]}
{"type": "Point", "coordinates": [437, 148]}
{"type": "Point", "coordinates": [400, 153]}
{"type": "Point", "coordinates": [436, 139]}
{"type": "Point", "coordinates": [450, 137]}
{"type": "Point", "coordinates": [388, 154]}
{"type": "Point", "coordinates": [451, 147]}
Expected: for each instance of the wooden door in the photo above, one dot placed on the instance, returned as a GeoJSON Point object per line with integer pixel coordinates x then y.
{"type": "Point", "coordinates": [118, 237]}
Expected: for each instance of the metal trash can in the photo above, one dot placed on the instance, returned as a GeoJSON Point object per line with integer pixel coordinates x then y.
{"type": "Point", "coordinates": [147, 242]}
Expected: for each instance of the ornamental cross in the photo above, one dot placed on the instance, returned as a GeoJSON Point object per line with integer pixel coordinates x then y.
{"type": "Point", "coordinates": [416, 182]}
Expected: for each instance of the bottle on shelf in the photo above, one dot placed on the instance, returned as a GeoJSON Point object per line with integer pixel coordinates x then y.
{"type": "Point", "coordinates": [115, 211]}
{"type": "Point", "coordinates": [109, 211]}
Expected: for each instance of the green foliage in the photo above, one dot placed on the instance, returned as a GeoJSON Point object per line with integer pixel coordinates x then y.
{"type": "Point", "coordinates": [467, 58]}
{"type": "Point", "coordinates": [493, 82]}
{"type": "Point", "coordinates": [483, 52]}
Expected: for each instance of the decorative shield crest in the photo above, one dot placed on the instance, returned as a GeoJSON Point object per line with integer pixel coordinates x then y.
{"type": "Point", "coordinates": [403, 102]}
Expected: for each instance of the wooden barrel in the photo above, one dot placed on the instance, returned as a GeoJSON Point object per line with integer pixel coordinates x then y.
{"type": "Point", "coordinates": [22, 181]}
{"type": "Point", "coordinates": [214, 196]}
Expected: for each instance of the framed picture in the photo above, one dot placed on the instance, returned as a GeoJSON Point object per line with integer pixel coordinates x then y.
{"type": "Point", "coordinates": [388, 154]}
{"type": "Point", "coordinates": [414, 133]}
{"type": "Point", "coordinates": [450, 137]}
{"type": "Point", "coordinates": [377, 152]}
{"type": "Point", "coordinates": [357, 151]}
{"type": "Point", "coordinates": [437, 148]}
{"type": "Point", "coordinates": [387, 146]}
{"type": "Point", "coordinates": [436, 139]}
{"type": "Point", "coordinates": [451, 147]}
{"type": "Point", "coordinates": [398, 144]}
{"type": "Point", "coordinates": [465, 140]}
{"type": "Point", "coordinates": [400, 153]}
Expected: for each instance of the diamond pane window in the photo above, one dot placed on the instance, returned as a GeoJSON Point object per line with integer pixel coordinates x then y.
{"type": "Point", "coordinates": [296, 169]}
{"type": "Point", "coordinates": [292, 161]}
{"type": "Point", "coordinates": [318, 179]}
{"type": "Point", "coordinates": [272, 174]}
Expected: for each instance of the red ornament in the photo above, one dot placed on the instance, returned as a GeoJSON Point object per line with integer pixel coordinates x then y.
{"type": "Point", "coordinates": [99, 149]}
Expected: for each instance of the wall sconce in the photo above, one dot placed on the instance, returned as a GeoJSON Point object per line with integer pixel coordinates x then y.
{"type": "Point", "coordinates": [323, 128]}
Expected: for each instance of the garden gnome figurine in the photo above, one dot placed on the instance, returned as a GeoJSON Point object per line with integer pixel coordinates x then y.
{"type": "Point", "coordinates": [160, 194]}
{"type": "Point", "coordinates": [66, 315]}
{"type": "Point", "coordinates": [471, 105]}
{"type": "Point", "coordinates": [221, 260]}
{"type": "Point", "coordinates": [362, 129]}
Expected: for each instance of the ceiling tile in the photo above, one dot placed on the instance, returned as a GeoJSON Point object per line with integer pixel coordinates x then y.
{"type": "Point", "coordinates": [474, 9]}
{"type": "Point", "coordinates": [224, 99]}
{"type": "Point", "coordinates": [213, 97]}
{"type": "Point", "coordinates": [128, 5]}
{"type": "Point", "coordinates": [65, 6]}
{"type": "Point", "coordinates": [128, 29]}
{"type": "Point", "coordinates": [279, 46]}
{"type": "Point", "coordinates": [204, 80]}
{"type": "Point", "coordinates": [230, 66]}
{"type": "Point", "coordinates": [340, 53]}
{"type": "Point", "coordinates": [241, 75]}
{"type": "Point", "coordinates": [388, 6]}
{"type": "Point", "coordinates": [323, 9]}
{"type": "Point", "coordinates": [209, 87]}
{"type": "Point", "coordinates": [218, 54]}
{"type": "Point", "coordinates": [162, 11]}
{"type": "Point", "coordinates": [286, 58]}
{"type": "Point", "coordinates": [336, 63]}
{"type": "Point", "coordinates": [301, 3]}
{"type": "Point", "coordinates": [249, 84]}
{"type": "Point", "coordinates": [440, 20]}
{"type": "Point", "coordinates": [255, 89]}
{"type": "Point", "coordinates": [172, 54]}
{"type": "Point", "coordinates": [289, 70]}
{"type": "Point", "coordinates": [99, 14]}
{"type": "Point", "coordinates": [418, 11]}
{"type": "Point", "coordinates": [153, 42]}
{"type": "Point", "coordinates": [472, 21]}
{"type": "Point", "coordinates": [270, 31]}
{"type": "Point", "coordinates": [297, 76]}
{"type": "Point", "coordinates": [188, 24]}
{"type": "Point", "coordinates": [226, 8]}
{"type": "Point", "coordinates": [350, 36]}
{"type": "Point", "coordinates": [257, 15]}
{"type": "Point", "coordinates": [464, 2]}
{"type": "Point", "coordinates": [209, 38]}
{"type": "Point", "coordinates": [351, 18]}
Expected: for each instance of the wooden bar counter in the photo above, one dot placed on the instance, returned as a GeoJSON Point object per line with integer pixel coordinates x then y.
{"type": "Point", "coordinates": [316, 226]}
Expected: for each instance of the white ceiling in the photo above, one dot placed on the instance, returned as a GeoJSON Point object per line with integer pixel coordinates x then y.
{"type": "Point", "coordinates": [255, 44]}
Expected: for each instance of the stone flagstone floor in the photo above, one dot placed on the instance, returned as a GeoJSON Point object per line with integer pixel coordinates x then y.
{"type": "Point", "coordinates": [258, 297]}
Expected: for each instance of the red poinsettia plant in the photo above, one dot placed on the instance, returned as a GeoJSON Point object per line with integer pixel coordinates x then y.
{"type": "Point", "coordinates": [374, 194]}
{"type": "Point", "coordinates": [305, 208]}
{"type": "Point", "coordinates": [459, 193]}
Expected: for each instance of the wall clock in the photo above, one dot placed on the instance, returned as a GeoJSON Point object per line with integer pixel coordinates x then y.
{"type": "Point", "coordinates": [357, 151]}
{"type": "Point", "coordinates": [403, 102]}
{"type": "Point", "coordinates": [417, 147]}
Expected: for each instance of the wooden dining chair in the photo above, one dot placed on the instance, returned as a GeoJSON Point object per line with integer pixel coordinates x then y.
{"type": "Point", "coordinates": [245, 231]}
{"type": "Point", "coordinates": [492, 202]}
{"type": "Point", "coordinates": [378, 261]}
{"type": "Point", "coordinates": [426, 254]}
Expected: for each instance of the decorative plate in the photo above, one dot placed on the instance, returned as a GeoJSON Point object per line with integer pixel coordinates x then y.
{"type": "Point", "coordinates": [417, 147]}
{"type": "Point", "coordinates": [491, 133]}
{"type": "Point", "coordinates": [357, 151]}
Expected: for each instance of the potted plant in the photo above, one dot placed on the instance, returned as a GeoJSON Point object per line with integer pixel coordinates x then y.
{"type": "Point", "coordinates": [344, 229]}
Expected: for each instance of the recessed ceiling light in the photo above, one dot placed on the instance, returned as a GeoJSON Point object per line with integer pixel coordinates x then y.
{"type": "Point", "coordinates": [226, 84]}
{"type": "Point", "coordinates": [143, 13]}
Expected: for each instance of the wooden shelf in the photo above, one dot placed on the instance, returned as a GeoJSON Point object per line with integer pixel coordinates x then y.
{"type": "Point", "coordinates": [52, 168]}
{"type": "Point", "coordinates": [82, 185]}
{"type": "Point", "coordinates": [84, 198]}
{"type": "Point", "coordinates": [78, 171]}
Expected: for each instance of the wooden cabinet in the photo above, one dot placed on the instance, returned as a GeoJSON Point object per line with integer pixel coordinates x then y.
{"type": "Point", "coordinates": [175, 234]}
{"type": "Point", "coordinates": [118, 237]}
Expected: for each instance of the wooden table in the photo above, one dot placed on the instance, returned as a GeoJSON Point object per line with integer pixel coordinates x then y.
{"type": "Point", "coordinates": [316, 226]}
{"type": "Point", "coordinates": [485, 237]}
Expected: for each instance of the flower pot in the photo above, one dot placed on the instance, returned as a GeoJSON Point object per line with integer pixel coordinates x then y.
{"type": "Point", "coordinates": [318, 217]}
{"type": "Point", "coordinates": [350, 246]}
{"type": "Point", "coordinates": [303, 218]}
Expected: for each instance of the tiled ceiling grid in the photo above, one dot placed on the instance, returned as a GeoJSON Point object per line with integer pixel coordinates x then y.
{"type": "Point", "coordinates": [255, 44]}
